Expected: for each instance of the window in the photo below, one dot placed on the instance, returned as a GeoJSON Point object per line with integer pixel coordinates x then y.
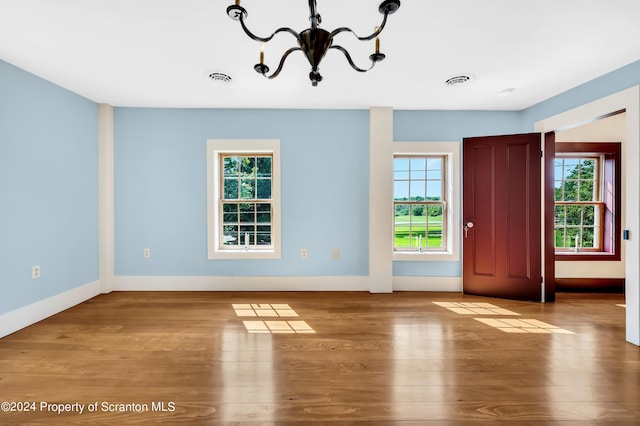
{"type": "Point", "coordinates": [578, 207]}
{"type": "Point", "coordinates": [587, 201]}
{"type": "Point", "coordinates": [419, 203]}
{"type": "Point", "coordinates": [243, 199]}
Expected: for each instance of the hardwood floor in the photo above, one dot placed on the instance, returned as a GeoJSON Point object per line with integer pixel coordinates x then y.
{"type": "Point", "coordinates": [378, 359]}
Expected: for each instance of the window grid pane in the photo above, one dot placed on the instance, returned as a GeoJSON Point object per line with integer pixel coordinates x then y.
{"type": "Point", "coordinates": [576, 179]}
{"type": "Point", "coordinates": [419, 204]}
{"type": "Point", "coordinates": [578, 217]}
{"type": "Point", "coordinates": [246, 224]}
{"type": "Point", "coordinates": [245, 201]}
{"type": "Point", "coordinates": [577, 226]}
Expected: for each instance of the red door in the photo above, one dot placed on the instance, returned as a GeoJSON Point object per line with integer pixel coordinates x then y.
{"type": "Point", "coordinates": [501, 217]}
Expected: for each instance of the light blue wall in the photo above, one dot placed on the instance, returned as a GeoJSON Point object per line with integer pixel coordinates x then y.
{"type": "Point", "coordinates": [161, 186]}
{"type": "Point", "coordinates": [160, 190]}
{"type": "Point", "coordinates": [48, 189]}
{"type": "Point", "coordinates": [452, 126]}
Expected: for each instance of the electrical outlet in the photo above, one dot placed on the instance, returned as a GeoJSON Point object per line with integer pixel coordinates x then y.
{"type": "Point", "coordinates": [35, 272]}
{"type": "Point", "coordinates": [147, 253]}
{"type": "Point", "coordinates": [335, 253]}
{"type": "Point", "coordinates": [303, 253]}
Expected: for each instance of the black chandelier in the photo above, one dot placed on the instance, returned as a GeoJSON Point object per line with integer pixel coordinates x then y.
{"type": "Point", "coordinates": [314, 41]}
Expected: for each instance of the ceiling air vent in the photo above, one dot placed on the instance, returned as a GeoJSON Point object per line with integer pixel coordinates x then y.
{"type": "Point", "coordinates": [219, 77]}
{"type": "Point", "coordinates": [457, 80]}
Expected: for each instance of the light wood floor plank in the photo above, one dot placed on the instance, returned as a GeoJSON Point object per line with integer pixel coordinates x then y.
{"type": "Point", "coordinates": [377, 359]}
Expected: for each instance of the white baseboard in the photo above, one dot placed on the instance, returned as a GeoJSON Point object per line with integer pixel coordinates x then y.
{"type": "Point", "coordinates": [446, 284]}
{"type": "Point", "coordinates": [13, 321]}
{"type": "Point", "coordinates": [258, 283]}
{"type": "Point", "coordinates": [261, 283]}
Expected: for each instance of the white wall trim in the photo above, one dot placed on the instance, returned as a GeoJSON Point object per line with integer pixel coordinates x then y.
{"type": "Point", "coordinates": [443, 284]}
{"type": "Point", "coordinates": [630, 101]}
{"type": "Point", "coordinates": [13, 321]}
{"type": "Point", "coordinates": [257, 283]}
{"type": "Point", "coordinates": [261, 283]}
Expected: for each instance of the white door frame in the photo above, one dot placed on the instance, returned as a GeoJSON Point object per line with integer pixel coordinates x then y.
{"type": "Point", "coordinates": [628, 100]}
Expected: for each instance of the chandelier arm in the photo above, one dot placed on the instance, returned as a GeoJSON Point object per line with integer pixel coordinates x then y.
{"type": "Point", "coordinates": [266, 39]}
{"type": "Point", "coordinates": [375, 34]}
{"type": "Point", "coordinates": [348, 56]}
{"type": "Point", "coordinates": [284, 58]}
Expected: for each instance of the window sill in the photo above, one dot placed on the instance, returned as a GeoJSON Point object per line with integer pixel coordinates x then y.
{"type": "Point", "coordinates": [424, 256]}
{"type": "Point", "coordinates": [586, 256]}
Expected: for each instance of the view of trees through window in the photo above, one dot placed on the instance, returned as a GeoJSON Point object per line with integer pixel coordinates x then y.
{"type": "Point", "coordinates": [246, 200]}
{"type": "Point", "coordinates": [419, 203]}
{"type": "Point", "coordinates": [578, 206]}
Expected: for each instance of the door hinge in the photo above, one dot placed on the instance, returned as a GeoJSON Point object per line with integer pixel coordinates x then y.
{"type": "Point", "coordinates": [541, 154]}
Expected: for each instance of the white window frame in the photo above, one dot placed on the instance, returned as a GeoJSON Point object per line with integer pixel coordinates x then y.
{"type": "Point", "coordinates": [216, 147]}
{"type": "Point", "coordinates": [451, 152]}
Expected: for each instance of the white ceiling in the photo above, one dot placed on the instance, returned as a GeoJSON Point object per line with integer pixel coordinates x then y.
{"type": "Point", "coordinates": [156, 53]}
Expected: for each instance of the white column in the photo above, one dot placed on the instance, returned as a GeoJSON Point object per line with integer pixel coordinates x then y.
{"type": "Point", "coordinates": [106, 196]}
{"type": "Point", "coordinates": [380, 196]}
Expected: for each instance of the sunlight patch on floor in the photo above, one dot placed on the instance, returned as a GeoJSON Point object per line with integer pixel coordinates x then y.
{"type": "Point", "coordinates": [278, 327]}
{"type": "Point", "coordinates": [512, 325]}
{"type": "Point", "coordinates": [622, 305]}
{"type": "Point", "coordinates": [273, 310]}
{"type": "Point", "coordinates": [469, 308]}
{"type": "Point", "coordinates": [263, 310]}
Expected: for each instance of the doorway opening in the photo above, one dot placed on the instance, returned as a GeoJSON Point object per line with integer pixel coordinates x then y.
{"type": "Point", "coordinates": [583, 206]}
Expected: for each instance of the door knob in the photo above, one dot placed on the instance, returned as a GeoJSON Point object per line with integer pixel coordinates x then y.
{"type": "Point", "coordinates": [466, 228]}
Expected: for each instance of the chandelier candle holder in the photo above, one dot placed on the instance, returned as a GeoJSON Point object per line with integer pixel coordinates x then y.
{"type": "Point", "coordinates": [314, 42]}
